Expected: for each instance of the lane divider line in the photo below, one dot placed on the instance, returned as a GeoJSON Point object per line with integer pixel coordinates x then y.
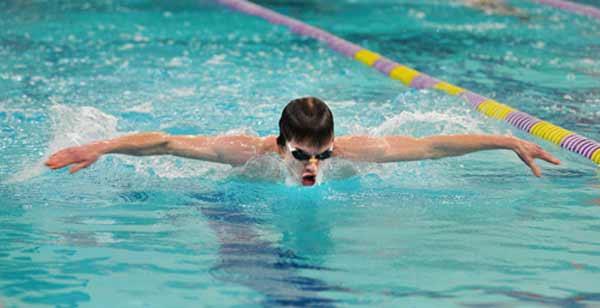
{"type": "Point", "coordinates": [581, 9]}
{"type": "Point", "coordinates": [410, 77]}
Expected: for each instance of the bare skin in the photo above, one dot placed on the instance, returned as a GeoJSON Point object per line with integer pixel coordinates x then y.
{"type": "Point", "coordinates": [236, 150]}
{"type": "Point", "coordinates": [498, 7]}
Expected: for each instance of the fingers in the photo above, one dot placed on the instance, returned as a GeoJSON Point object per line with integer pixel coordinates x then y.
{"type": "Point", "coordinates": [79, 166]}
{"type": "Point", "coordinates": [527, 160]}
{"type": "Point", "coordinates": [51, 162]}
{"type": "Point", "coordinates": [54, 164]}
{"type": "Point", "coordinates": [57, 162]}
{"type": "Point", "coordinates": [548, 157]}
{"type": "Point", "coordinates": [535, 168]}
{"type": "Point", "coordinates": [62, 159]}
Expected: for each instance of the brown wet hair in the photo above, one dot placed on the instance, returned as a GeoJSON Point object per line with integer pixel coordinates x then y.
{"type": "Point", "coordinates": [306, 119]}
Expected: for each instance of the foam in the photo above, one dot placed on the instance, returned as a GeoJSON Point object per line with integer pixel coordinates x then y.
{"type": "Point", "coordinates": [175, 62]}
{"type": "Point", "coordinates": [424, 123]}
{"type": "Point", "coordinates": [183, 92]}
{"type": "Point", "coordinates": [268, 168]}
{"type": "Point", "coordinates": [423, 113]}
{"type": "Point", "coordinates": [145, 107]}
{"type": "Point", "coordinates": [475, 27]}
{"type": "Point", "coordinates": [71, 126]}
{"type": "Point", "coordinates": [216, 60]}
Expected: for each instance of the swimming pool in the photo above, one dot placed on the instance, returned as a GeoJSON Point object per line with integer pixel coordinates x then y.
{"type": "Point", "coordinates": [477, 229]}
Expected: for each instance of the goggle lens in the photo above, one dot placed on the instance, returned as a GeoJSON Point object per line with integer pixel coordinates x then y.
{"type": "Point", "coordinates": [301, 155]}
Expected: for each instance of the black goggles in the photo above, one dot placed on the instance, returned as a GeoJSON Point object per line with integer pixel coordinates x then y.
{"type": "Point", "coordinates": [301, 155]}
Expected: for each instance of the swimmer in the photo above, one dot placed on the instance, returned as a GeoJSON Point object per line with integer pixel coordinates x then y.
{"type": "Point", "coordinates": [496, 7]}
{"type": "Point", "coordinates": [306, 138]}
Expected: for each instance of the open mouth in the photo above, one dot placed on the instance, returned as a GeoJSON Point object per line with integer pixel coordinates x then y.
{"type": "Point", "coordinates": [309, 179]}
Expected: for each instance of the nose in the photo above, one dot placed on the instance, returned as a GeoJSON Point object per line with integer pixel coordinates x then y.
{"type": "Point", "coordinates": [312, 165]}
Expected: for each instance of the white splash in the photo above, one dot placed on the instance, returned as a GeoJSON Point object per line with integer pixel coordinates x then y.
{"type": "Point", "coordinates": [183, 92]}
{"type": "Point", "coordinates": [215, 60]}
{"type": "Point", "coordinates": [341, 104]}
{"type": "Point", "coordinates": [475, 28]}
{"type": "Point", "coordinates": [127, 46]}
{"type": "Point", "coordinates": [146, 107]}
{"type": "Point", "coordinates": [71, 126]}
{"type": "Point", "coordinates": [138, 37]}
{"type": "Point", "coordinates": [423, 123]}
{"type": "Point", "coordinates": [175, 62]}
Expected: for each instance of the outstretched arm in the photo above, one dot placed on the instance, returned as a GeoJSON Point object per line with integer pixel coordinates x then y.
{"type": "Point", "coordinates": [403, 148]}
{"type": "Point", "coordinates": [232, 150]}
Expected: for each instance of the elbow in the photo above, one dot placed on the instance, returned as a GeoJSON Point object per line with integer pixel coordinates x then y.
{"type": "Point", "coordinates": [429, 149]}
{"type": "Point", "coordinates": [160, 139]}
{"type": "Point", "coordinates": [436, 149]}
{"type": "Point", "coordinates": [435, 153]}
{"type": "Point", "coordinates": [440, 151]}
{"type": "Point", "coordinates": [157, 143]}
{"type": "Point", "coordinates": [152, 138]}
{"type": "Point", "coordinates": [160, 136]}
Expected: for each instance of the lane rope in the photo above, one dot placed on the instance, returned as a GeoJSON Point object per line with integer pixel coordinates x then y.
{"type": "Point", "coordinates": [566, 139]}
{"type": "Point", "coordinates": [577, 8]}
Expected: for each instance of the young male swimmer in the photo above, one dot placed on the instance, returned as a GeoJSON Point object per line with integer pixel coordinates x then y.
{"type": "Point", "coordinates": [305, 139]}
{"type": "Point", "coordinates": [496, 7]}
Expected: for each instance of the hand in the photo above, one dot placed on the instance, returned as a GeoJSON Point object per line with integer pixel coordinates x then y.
{"type": "Point", "coordinates": [80, 157]}
{"type": "Point", "coordinates": [528, 151]}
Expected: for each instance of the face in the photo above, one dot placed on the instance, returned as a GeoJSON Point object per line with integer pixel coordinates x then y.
{"type": "Point", "coordinates": [304, 160]}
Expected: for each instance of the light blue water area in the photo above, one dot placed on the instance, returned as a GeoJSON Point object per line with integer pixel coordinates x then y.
{"type": "Point", "coordinates": [162, 231]}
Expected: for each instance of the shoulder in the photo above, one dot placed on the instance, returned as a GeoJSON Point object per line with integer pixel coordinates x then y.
{"type": "Point", "coordinates": [262, 145]}
{"type": "Point", "coordinates": [269, 144]}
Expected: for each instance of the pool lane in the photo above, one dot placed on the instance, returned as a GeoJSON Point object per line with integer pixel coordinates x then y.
{"type": "Point", "coordinates": [577, 8]}
{"type": "Point", "coordinates": [566, 139]}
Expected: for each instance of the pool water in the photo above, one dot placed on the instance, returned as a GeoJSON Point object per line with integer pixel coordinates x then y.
{"type": "Point", "coordinates": [162, 231]}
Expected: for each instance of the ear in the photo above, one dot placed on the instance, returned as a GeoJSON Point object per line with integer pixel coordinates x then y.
{"type": "Point", "coordinates": [280, 149]}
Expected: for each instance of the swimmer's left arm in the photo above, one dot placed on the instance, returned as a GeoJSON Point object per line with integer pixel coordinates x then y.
{"type": "Point", "coordinates": [227, 149]}
{"type": "Point", "coordinates": [404, 148]}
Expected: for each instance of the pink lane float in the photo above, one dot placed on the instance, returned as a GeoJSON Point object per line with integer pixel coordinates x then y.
{"type": "Point", "coordinates": [582, 9]}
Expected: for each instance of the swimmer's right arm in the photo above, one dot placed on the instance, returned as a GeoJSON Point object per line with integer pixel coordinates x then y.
{"type": "Point", "coordinates": [229, 149]}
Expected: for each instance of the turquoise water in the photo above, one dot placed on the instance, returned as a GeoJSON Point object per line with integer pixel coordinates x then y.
{"type": "Point", "coordinates": [161, 231]}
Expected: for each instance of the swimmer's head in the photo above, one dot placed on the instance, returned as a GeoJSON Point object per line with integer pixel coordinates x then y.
{"type": "Point", "coordinates": [307, 120]}
{"type": "Point", "coordinates": [306, 137]}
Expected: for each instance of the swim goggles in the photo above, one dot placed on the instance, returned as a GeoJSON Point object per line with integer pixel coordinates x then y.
{"type": "Point", "coordinates": [301, 155]}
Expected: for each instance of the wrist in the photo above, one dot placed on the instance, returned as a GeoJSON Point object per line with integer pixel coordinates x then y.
{"type": "Point", "coordinates": [509, 142]}
{"type": "Point", "coordinates": [102, 147]}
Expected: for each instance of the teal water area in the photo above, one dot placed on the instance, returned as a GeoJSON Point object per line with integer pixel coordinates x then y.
{"type": "Point", "coordinates": [162, 231]}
